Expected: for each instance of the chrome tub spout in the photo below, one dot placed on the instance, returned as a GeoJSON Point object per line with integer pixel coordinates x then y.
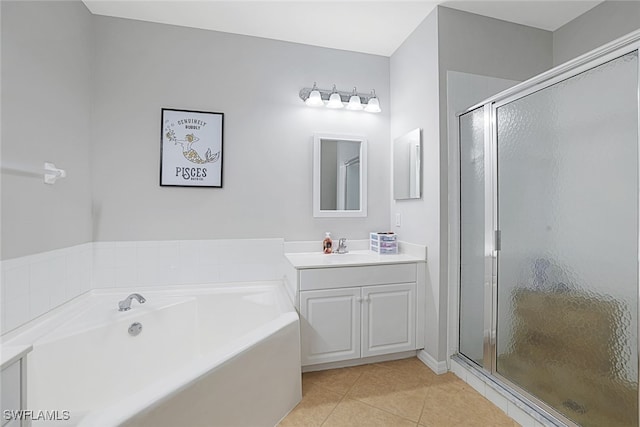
{"type": "Point", "coordinates": [125, 304]}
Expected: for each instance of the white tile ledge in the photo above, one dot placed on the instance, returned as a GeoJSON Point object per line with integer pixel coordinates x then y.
{"type": "Point", "coordinates": [29, 332]}
{"type": "Point", "coordinates": [11, 353]}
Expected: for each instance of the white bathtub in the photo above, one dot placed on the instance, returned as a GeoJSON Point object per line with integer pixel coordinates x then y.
{"type": "Point", "coordinates": [222, 355]}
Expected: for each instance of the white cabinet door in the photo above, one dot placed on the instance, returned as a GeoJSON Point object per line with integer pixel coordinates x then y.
{"type": "Point", "coordinates": [388, 319]}
{"type": "Point", "coordinates": [330, 325]}
{"type": "Point", "coordinates": [11, 392]}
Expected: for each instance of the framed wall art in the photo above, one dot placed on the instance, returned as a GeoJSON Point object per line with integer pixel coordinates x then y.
{"type": "Point", "coordinates": [191, 148]}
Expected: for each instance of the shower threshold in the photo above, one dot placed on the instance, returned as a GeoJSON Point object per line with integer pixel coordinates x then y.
{"type": "Point", "coordinates": [533, 408]}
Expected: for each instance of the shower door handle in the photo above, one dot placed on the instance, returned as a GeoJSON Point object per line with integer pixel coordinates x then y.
{"type": "Point", "coordinates": [497, 240]}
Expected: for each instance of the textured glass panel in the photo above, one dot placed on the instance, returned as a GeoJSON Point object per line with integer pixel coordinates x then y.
{"type": "Point", "coordinates": [568, 267]}
{"type": "Point", "coordinates": [472, 234]}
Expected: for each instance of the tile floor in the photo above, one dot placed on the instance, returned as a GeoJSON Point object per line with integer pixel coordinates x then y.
{"type": "Point", "coordinates": [391, 394]}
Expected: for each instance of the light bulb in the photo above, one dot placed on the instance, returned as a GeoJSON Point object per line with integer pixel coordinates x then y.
{"type": "Point", "coordinates": [314, 99]}
{"type": "Point", "coordinates": [373, 106]}
{"type": "Point", "coordinates": [335, 101]}
{"type": "Point", "coordinates": [354, 101]}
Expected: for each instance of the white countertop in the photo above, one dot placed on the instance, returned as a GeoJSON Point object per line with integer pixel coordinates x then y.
{"type": "Point", "coordinates": [351, 259]}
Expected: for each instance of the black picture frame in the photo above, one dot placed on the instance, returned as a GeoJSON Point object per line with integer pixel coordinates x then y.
{"type": "Point", "coordinates": [191, 148]}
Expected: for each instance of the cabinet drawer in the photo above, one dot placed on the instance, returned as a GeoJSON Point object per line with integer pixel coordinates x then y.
{"type": "Point", "coordinates": [340, 277]}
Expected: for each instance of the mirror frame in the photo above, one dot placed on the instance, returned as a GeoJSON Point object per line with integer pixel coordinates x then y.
{"type": "Point", "coordinates": [317, 141]}
{"type": "Point", "coordinates": [409, 138]}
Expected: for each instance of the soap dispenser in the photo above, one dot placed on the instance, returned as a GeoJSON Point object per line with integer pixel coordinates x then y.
{"type": "Point", "coordinates": [327, 243]}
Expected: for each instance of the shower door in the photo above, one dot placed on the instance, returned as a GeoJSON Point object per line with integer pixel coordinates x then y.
{"type": "Point", "coordinates": [567, 294]}
{"type": "Point", "coordinates": [549, 240]}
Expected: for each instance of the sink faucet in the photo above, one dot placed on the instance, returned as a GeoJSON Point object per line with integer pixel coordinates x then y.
{"type": "Point", "coordinates": [342, 246]}
{"type": "Point", "coordinates": [125, 304]}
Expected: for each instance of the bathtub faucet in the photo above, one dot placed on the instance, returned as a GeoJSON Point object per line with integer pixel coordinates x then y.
{"type": "Point", "coordinates": [125, 304]}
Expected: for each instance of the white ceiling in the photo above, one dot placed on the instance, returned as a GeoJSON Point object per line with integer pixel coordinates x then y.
{"type": "Point", "coordinates": [376, 27]}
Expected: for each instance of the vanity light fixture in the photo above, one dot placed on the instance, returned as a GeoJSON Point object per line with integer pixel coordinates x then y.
{"type": "Point", "coordinates": [354, 101]}
{"type": "Point", "coordinates": [373, 105]}
{"type": "Point", "coordinates": [333, 98]}
{"type": "Point", "coordinates": [314, 99]}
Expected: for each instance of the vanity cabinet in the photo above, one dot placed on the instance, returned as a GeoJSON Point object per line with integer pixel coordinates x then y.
{"type": "Point", "coordinates": [349, 323]}
{"type": "Point", "coordinates": [13, 381]}
{"type": "Point", "coordinates": [358, 311]}
{"type": "Point", "coordinates": [11, 392]}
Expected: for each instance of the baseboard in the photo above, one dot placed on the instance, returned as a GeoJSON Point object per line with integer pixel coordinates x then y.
{"type": "Point", "coordinates": [361, 361]}
{"type": "Point", "coordinates": [437, 367]}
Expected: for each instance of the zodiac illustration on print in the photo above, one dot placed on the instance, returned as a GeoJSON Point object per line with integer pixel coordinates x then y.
{"type": "Point", "coordinates": [188, 151]}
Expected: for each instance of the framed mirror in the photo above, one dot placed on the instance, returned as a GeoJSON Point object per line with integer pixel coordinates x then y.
{"type": "Point", "coordinates": [407, 173]}
{"type": "Point", "coordinates": [339, 176]}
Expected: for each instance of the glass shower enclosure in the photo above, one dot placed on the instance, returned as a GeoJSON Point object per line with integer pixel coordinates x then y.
{"type": "Point", "coordinates": [549, 237]}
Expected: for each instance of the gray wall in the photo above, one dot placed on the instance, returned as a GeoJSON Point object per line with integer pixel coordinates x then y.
{"type": "Point", "coordinates": [268, 132]}
{"type": "Point", "coordinates": [602, 24]}
{"type": "Point", "coordinates": [476, 44]}
{"type": "Point", "coordinates": [489, 47]}
{"type": "Point", "coordinates": [414, 102]}
{"type": "Point", "coordinates": [449, 40]}
{"type": "Point", "coordinates": [46, 88]}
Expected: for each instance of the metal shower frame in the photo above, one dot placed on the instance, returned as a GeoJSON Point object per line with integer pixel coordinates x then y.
{"type": "Point", "coordinates": [597, 57]}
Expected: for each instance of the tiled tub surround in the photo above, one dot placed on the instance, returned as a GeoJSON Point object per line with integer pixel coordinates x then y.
{"type": "Point", "coordinates": [183, 262]}
{"type": "Point", "coordinates": [35, 284]}
{"type": "Point", "coordinates": [195, 362]}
